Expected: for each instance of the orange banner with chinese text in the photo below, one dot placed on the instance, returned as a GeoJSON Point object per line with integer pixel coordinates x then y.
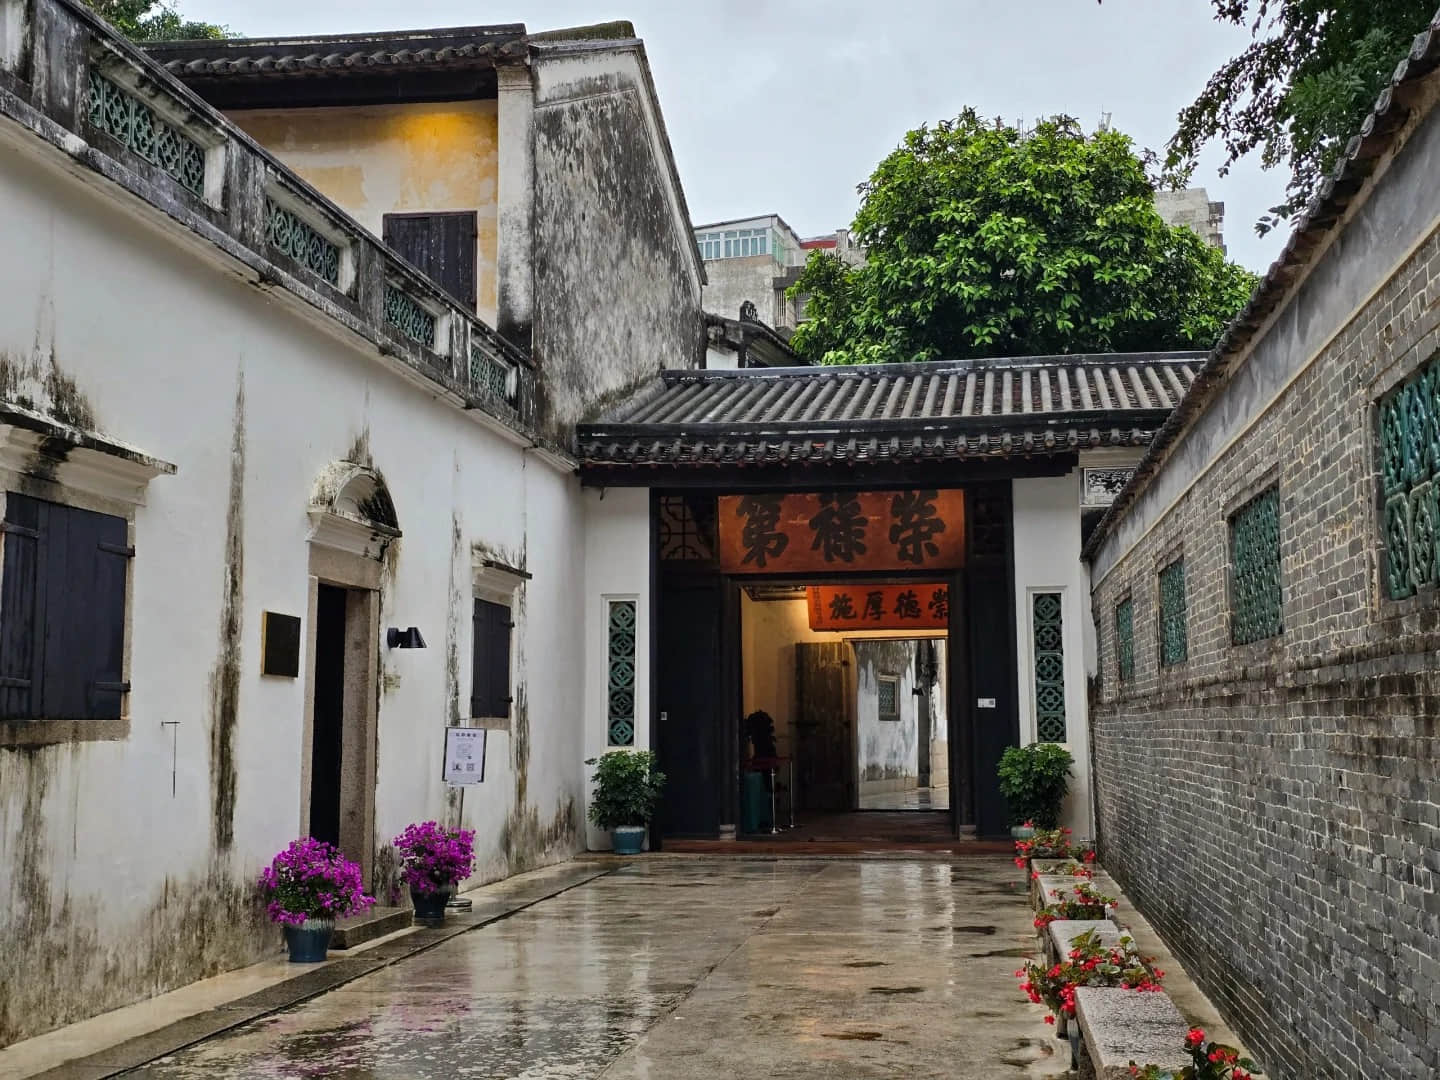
{"type": "Point", "coordinates": [838, 531]}
{"type": "Point", "coordinates": [879, 607]}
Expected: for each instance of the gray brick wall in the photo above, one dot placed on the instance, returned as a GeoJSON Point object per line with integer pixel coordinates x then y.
{"type": "Point", "coordinates": [1274, 808]}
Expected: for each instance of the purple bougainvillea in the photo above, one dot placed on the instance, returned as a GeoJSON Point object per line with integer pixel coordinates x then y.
{"type": "Point", "coordinates": [310, 879]}
{"type": "Point", "coordinates": [433, 858]}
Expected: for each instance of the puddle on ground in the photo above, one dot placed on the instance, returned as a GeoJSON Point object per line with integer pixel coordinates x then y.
{"type": "Point", "coordinates": [897, 990]}
{"type": "Point", "coordinates": [860, 1036]}
{"type": "Point", "coordinates": [986, 930]}
{"type": "Point", "coordinates": [867, 963]}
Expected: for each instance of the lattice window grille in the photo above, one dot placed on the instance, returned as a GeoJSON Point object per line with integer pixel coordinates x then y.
{"type": "Point", "coordinates": [1410, 480]}
{"type": "Point", "coordinates": [1048, 644]}
{"type": "Point", "coordinates": [1255, 597]}
{"type": "Point", "coordinates": [1125, 639]}
{"type": "Point", "coordinates": [685, 534]}
{"type": "Point", "coordinates": [621, 672]}
{"type": "Point", "coordinates": [1174, 636]}
{"type": "Point", "coordinates": [887, 695]}
{"type": "Point", "coordinates": [409, 316]}
{"type": "Point", "coordinates": [295, 237]}
{"type": "Point", "coordinates": [490, 375]}
{"type": "Point", "coordinates": [122, 115]}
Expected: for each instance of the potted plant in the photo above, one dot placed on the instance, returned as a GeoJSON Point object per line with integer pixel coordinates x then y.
{"type": "Point", "coordinates": [1034, 780]}
{"type": "Point", "coordinates": [433, 860]}
{"type": "Point", "coordinates": [627, 787]}
{"type": "Point", "coordinates": [308, 886]}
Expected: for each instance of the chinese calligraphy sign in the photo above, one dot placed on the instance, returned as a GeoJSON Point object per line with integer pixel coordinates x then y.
{"type": "Point", "coordinates": [842, 530]}
{"type": "Point", "coordinates": [879, 607]}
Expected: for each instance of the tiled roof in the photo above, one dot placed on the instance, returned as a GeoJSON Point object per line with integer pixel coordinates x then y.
{"type": "Point", "coordinates": [1326, 210]}
{"type": "Point", "coordinates": [336, 54]}
{"type": "Point", "coordinates": [983, 408]}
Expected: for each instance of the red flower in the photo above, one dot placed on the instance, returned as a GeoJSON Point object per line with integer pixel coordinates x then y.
{"type": "Point", "coordinates": [1049, 1019]}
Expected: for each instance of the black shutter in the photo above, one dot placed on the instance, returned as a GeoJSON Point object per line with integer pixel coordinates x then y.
{"type": "Point", "coordinates": [479, 668]}
{"type": "Point", "coordinates": [441, 246]}
{"type": "Point", "coordinates": [500, 660]}
{"type": "Point", "coordinates": [21, 602]}
{"type": "Point", "coordinates": [62, 613]}
{"type": "Point", "coordinates": [490, 660]}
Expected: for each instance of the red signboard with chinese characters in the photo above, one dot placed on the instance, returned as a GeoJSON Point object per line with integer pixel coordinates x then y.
{"type": "Point", "coordinates": [879, 607]}
{"type": "Point", "coordinates": [840, 531]}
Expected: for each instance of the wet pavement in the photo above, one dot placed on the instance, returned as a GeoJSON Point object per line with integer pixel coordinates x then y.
{"type": "Point", "coordinates": [673, 967]}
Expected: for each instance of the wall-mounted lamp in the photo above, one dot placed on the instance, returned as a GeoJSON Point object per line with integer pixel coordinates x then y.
{"type": "Point", "coordinates": [404, 639]}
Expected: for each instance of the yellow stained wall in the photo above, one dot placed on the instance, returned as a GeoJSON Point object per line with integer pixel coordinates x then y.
{"type": "Point", "coordinates": [373, 160]}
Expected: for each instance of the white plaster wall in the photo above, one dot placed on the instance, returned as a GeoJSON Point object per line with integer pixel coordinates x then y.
{"type": "Point", "coordinates": [159, 337]}
{"type": "Point", "coordinates": [1047, 559]}
{"type": "Point", "coordinates": [889, 750]}
{"type": "Point", "coordinates": [730, 282]}
{"type": "Point", "coordinates": [617, 567]}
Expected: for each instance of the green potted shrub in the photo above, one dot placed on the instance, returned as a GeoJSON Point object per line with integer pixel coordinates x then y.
{"type": "Point", "coordinates": [1034, 780]}
{"type": "Point", "coordinates": [627, 787]}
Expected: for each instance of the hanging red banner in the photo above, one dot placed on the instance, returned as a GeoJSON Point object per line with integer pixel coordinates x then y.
{"type": "Point", "coordinates": [845, 530]}
{"type": "Point", "coordinates": [879, 607]}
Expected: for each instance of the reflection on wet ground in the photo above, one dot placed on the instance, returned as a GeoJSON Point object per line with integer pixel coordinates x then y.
{"type": "Point", "coordinates": [729, 968]}
{"type": "Point", "coordinates": [914, 799]}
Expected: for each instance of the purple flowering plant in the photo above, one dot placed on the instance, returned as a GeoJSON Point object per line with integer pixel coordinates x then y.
{"type": "Point", "coordinates": [433, 858]}
{"type": "Point", "coordinates": [311, 879]}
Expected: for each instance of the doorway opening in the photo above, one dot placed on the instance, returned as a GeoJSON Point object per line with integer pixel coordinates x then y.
{"type": "Point", "coordinates": [342, 734]}
{"type": "Point", "coordinates": [844, 730]}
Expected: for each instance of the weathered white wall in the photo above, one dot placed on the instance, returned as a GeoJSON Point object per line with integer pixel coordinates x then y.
{"type": "Point", "coordinates": [617, 567]}
{"type": "Point", "coordinates": [730, 282]}
{"type": "Point", "coordinates": [1047, 559]}
{"type": "Point", "coordinates": [416, 157]}
{"type": "Point", "coordinates": [114, 888]}
{"type": "Point", "coordinates": [889, 750]}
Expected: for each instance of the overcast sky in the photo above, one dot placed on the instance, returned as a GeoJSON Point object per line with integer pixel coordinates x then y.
{"type": "Point", "coordinates": [785, 105]}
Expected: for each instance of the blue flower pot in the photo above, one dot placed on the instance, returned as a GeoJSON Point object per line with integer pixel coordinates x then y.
{"type": "Point", "coordinates": [309, 942]}
{"type": "Point", "coordinates": [430, 906]}
{"type": "Point", "coordinates": [627, 839]}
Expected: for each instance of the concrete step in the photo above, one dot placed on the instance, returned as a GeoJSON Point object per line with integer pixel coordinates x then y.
{"type": "Point", "coordinates": [377, 922]}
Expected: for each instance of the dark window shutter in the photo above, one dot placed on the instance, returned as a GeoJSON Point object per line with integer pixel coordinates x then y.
{"type": "Point", "coordinates": [500, 659]}
{"type": "Point", "coordinates": [441, 246]}
{"type": "Point", "coordinates": [62, 614]}
{"type": "Point", "coordinates": [21, 604]}
{"type": "Point", "coordinates": [490, 660]}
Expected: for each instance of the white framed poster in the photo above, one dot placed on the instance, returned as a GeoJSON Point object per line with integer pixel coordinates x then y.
{"type": "Point", "coordinates": [464, 756]}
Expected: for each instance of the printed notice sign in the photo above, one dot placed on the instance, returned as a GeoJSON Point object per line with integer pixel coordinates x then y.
{"type": "Point", "coordinates": [464, 756]}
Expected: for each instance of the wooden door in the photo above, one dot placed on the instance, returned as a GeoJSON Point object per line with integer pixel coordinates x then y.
{"type": "Point", "coordinates": [824, 738]}
{"type": "Point", "coordinates": [688, 700]}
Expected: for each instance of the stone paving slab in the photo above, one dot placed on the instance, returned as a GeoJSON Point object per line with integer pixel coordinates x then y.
{"type": "Point", "coordinates": [309, 982]}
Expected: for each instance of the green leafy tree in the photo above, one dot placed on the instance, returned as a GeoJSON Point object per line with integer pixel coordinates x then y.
{"type": "Point", "coordinates": [149, 20]}
{"type": "Point", "coordinates": [986, 241]}
{"type": "Point", "coordinates": [1300, 90]}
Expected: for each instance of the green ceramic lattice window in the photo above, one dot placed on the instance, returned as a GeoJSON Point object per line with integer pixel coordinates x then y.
{"type": "Point", "coordinates": [1048, 638]}
{"type": "Point", "coordinates": [1125, 639]}
{"type": "Point", "coordinates": [292, 235]}
{"type": "Point", "coordinates": [406, 315]}
{"type": "Point", "coordinates": [1255, 577]}
{"type": "Point", "coordinates": [1409, 478]}
{"type": "Point", "coordinates": [119, 113]}
{"type": "Point", "coordinates": [488, 374]}
{"type": "Point", "coordinates": [621, 671]}
{"type": "Point", "coordinates": [1174, 638]}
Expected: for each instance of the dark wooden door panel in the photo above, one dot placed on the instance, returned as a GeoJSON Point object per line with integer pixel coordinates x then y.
{"type": "Point", "coordinates": [687, 707]}
{"type": "Point", "coordinates": [824, 745]}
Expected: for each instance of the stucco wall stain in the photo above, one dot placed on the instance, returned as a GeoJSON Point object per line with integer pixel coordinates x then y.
{"type": "Point", "coordinates": [225, 675]}
{"type": "Point", "coordinates": [605, 230]}
{"type": "Point", "coordinates": [37, 383]}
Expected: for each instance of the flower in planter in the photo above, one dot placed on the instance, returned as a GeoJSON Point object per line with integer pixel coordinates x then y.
{"type": "Point", "coordinates": [1082, 902]}
{"type": "Point", "coordinates": [1089, 963]}
{"type": "Point", "coordinates": [1045, 844]}
{"type": "Point", "coordinates": [311, 879]}
{"type": "Point", "coordinates": [1208, 1061]}
{"type": "Point", "coordinates": [434, 858]}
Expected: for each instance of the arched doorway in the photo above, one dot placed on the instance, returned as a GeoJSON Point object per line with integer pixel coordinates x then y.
{"type": "Point", "coordinates": [352, 526]}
